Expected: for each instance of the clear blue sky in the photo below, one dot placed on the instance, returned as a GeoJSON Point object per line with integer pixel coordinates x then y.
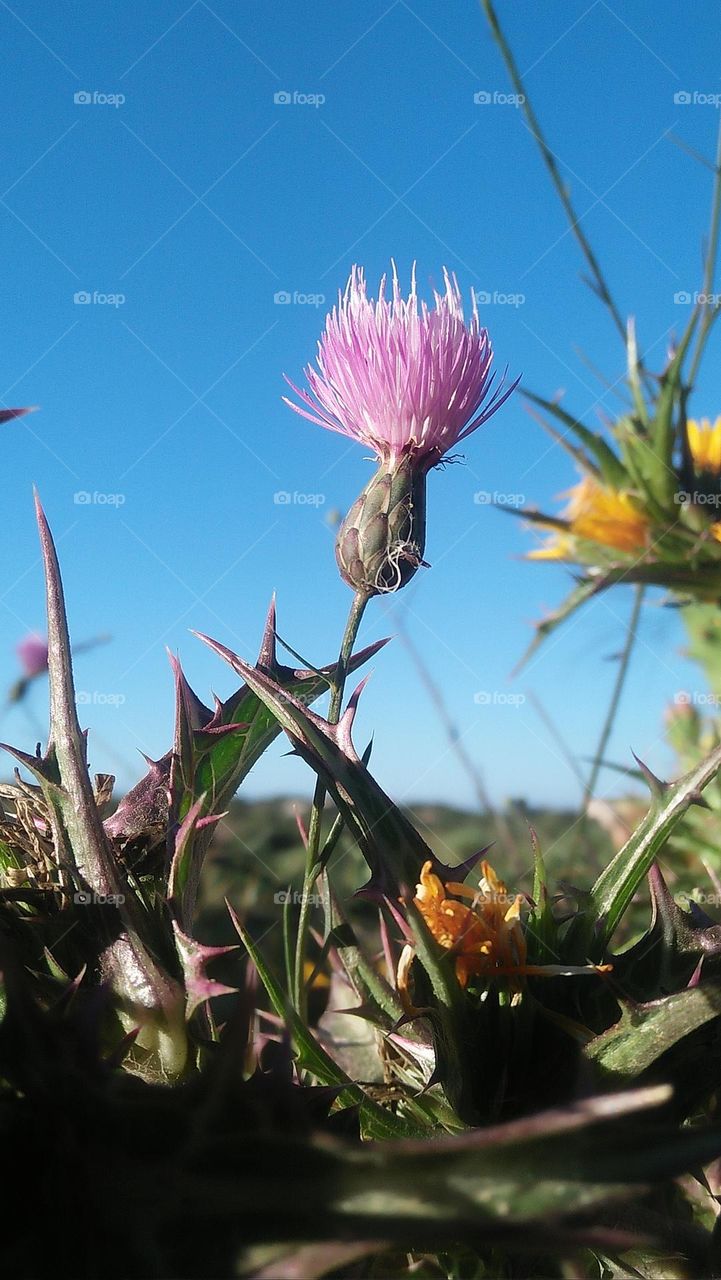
{"type": "Point", "coordinates": [197, 199]}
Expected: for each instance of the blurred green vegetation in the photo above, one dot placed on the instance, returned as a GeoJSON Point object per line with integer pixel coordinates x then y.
{"type": "Point", "coordinates": [257, 855]}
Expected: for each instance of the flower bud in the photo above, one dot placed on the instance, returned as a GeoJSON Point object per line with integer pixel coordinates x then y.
{"type": "Point", "coordinates": [380, 543]}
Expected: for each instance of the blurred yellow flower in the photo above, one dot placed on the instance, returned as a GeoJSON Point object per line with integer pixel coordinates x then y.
{"type": "Point", "coordinates": [704, 442]}
{"type": "Point", "coordinates": [596, 513]}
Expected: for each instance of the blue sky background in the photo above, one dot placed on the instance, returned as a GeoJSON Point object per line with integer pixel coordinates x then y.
{"type": "Point", "coordinates": [197, 200]}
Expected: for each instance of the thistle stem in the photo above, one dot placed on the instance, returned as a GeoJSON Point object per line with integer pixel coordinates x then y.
{"type": "Point", "coordinates": [350, 634]}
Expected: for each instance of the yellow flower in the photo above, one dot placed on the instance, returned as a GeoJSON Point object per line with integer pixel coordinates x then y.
{"type": "Point", "coordinates": [597, 514]}
{"type": "Point", "coordinates": [704, 442]}
{"type": "Point", "coordinates": [485, 936]}
{"type": "Point", "coordinates": [483, 933]}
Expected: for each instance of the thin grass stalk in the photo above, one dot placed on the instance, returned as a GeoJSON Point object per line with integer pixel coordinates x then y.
{"type": "Point", "coordinates": [615, 701]}
{"type": "Point", "coordinates": [550, 161]}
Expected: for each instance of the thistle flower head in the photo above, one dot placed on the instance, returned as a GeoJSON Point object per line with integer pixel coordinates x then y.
{"type": "Point", "coordinates": [399, 376]}
{"type": "Point", "coordinates": [32, 652]}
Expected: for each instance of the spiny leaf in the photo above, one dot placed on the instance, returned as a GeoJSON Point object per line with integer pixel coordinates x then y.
{"type": "Point", "coordinates": [390, 844]}
{"type": "Point", "coordinates": [661, 475]}
{"type": "Point", "coordinates": [370, 986]}
{"type": "Point", "coordinates": [145, 806]}
{"type": "Point", "coordinates": [195, 956]}
{"type": "Point", "coordinates": [611, 467]}
{"type": "Point", "coordinates": [7, 414]}
{"type": "Point", "coordinates": [616, 886]}
{"type": "Point", "coordinates": [541, 928]}
{"type": "Point", "coordinates": [148, 996]}
{"type": "Point", "coordinates": [214, 750]}
{"type": "Point", "coordinates": [645, 1032]}
{"type": "Point", "coordinates": [186, 864]}
{"type": "Point", "coordinates": [87, 843]}
{"type": "Point", "coordinates": [634, 372]}
{"type": "Point", "coordinates": [676, 942]}
{"type": "Point", "coordinates": [585, 588]}
{"type": "Point", "coordinates": [221, 765]}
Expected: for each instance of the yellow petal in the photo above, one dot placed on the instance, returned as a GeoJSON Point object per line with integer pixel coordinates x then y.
{"type": "Point", "coordinates": [557, 549]}
{"type": "Point", "coordinates": [704, 442]}
{"type": "Point", "coordinates": [714, 451]}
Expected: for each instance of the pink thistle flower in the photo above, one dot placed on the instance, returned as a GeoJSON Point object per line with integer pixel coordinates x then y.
{"type": "Point", "coordinates": [401, 377]}
{"type": "Point", "coordinates": [32, 652]}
